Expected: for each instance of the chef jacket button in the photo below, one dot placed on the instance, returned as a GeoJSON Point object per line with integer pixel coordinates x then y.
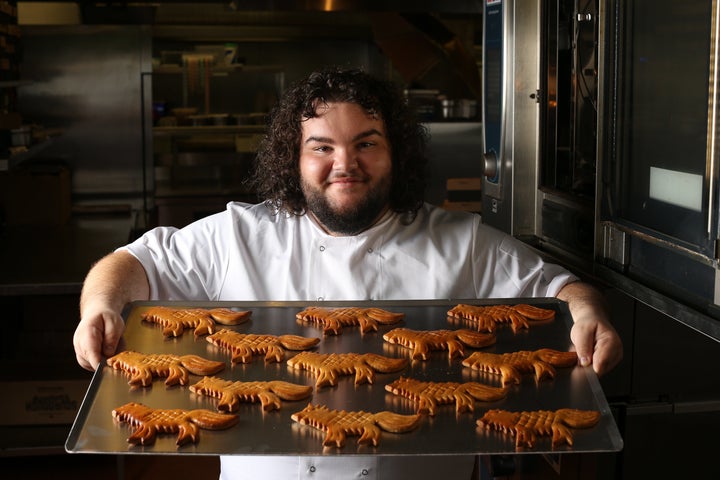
{"type": "Point", "coordinates": [312, 468]}
{"type": "Point", "coordinates": [320, 299]}
{"type": "Point", "coordinates": [322, 248]}
{"type": "Point", "coordinates": [370, 250]}
{"type": "Point", "coordinates": [365, 471]}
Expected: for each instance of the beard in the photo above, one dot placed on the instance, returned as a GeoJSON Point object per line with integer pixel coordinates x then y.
{"type": "Point", "coordinates": [350, 220]}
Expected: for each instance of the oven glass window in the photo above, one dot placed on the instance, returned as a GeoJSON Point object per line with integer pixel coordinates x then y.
{"type": "Point", "coordinates": [662, 122]}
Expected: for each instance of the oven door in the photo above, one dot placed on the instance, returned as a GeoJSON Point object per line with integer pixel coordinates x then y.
{"type": "Point", "coordinates": [658, 201]}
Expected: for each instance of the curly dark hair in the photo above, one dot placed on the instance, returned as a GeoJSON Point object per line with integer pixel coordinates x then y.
{"type": "Point", "coordinates": [276, 175]}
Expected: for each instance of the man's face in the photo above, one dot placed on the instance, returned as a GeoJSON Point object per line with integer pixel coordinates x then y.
{"type": "Point", "coordinates": [345, 167]}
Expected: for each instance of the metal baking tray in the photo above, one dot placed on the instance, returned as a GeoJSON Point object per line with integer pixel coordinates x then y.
{"type": "Point", "coordinates": [275, 433]}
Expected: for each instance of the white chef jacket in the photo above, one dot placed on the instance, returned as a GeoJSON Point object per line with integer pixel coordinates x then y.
{"type": "Point", "coordinates": [248, 252]}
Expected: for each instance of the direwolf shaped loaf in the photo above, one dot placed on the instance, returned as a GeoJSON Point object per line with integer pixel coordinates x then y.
{"type": "Point", "coordinates": [268, 393]}
{"type": "Point", "coordinates": [334, 319]}
{"type": "Point", "coordinates": [512, 365]}
{"type": "Point", "coordinates": [328, 366]}
{"type": "Point", "coordinates": [175, 320]}
{"type": "Point", "coordinates": [526, 426]}
{"type": "Point", "coordinates": [148, 422]}
{"type": "Point", "coordinates": [486, 318]}
{"type": "Point", "coordinates": [142, 368]}
{"type": "Point", "coordinates": [338, 424]}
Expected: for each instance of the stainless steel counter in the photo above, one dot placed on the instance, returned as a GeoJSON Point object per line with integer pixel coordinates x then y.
{"type": "Point", "coordinates": [274, 433]}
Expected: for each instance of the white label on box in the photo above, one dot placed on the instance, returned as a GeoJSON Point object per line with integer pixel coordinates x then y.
{"type": "Point", "coordinates": [41, 402]}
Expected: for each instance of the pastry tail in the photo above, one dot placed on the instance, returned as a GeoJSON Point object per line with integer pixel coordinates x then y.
{"type": "Point", "coordinates": [395, 422]}
{"type": "Point", "coordinates": [296, 342]}
{"type": "Point", "coordinates": [290, 391]}
{"type": "Point", "coordinates": [385, 364]}
{"type": "Point", "coordinates": [201, 366]}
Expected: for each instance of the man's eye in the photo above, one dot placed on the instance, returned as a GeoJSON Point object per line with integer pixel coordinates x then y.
{"type": "Point", "coordinates": [322, 148]}
{"type": "Point", "coordinates": [366, 144]}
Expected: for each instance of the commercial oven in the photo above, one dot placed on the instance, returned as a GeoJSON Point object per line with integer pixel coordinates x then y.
{"type": "Point", "coordinates": [599, 126]}
{"type": "Point", "coordinates": [539, 119]}
{"type": "Point", "coordinates": [658, 199]}
{"type": "Point", "coordinates": [657, 218]}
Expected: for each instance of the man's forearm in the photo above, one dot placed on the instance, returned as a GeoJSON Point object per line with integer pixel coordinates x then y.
{"type": "Point", "coordinates": [583, 298]}
{"type": "Point", "coordinates": [115, 280]}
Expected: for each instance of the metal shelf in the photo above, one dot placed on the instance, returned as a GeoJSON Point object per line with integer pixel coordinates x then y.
{"type": "Point", "coordinates": [15, 160]}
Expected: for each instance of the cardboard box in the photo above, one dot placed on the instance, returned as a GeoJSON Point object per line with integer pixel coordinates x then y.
{"type": "Point", "coordinates": [464, 194]}
{"type": "Point", "coordinates": [474, 207]}
{"type": "Point", "coordinates": [464, 183]}
{"type": "Point", "coordinates": [42, 402]}
{"type": "Point", "coordinates": [36, 195]}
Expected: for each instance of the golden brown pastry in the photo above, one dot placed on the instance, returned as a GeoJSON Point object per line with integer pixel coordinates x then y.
{"type": "Point", "coordinates": [431, 394]}
{"type": "Point", "coordinates": [338, 424]}
{"type": "Point", "coordinates": [175, 320]}
{"type": "Point", "coordinates": [424, 341]}
{"type": "Point", "coordinates": [486, 318]}
{"type": "Point", "coordinates": [328, 366]}
{"type": "Point", "coordinates": [148, 422]}
{"type": "Point", "coordinates": [267, 393]}
{"type": "Point", "coordinates": [334, 319]}
{"type": "Point", "coordinates": [142, 368]}
{"type": "Point", "coordinates": [245, 346]}
{"type": "Point", "coordinates": [526, 426]}
{"type": "Point", "coordinates": [512, 365]}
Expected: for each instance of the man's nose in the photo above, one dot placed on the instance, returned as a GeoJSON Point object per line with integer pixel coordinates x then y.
{"type": "Point", "coordinates": [345, 159]}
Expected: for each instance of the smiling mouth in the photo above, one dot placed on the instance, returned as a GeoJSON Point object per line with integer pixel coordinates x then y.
{"type": "Point", "coordinates": [345, 181]}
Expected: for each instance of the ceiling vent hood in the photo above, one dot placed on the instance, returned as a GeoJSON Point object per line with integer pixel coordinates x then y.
{"type": "Point", "coordinates": [225, 11]}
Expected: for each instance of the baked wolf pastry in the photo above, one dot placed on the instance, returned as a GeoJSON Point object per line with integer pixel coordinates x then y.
{"type": "Point", "coordinates": [142, 367]}
{"type": "Point", "coordinates": [424, 341]}
{"type": "Point", "coordinates": [328, 366]}
{"type": "Point", "coordinates": [431, 394]}
{"type": "Point", "coordinates": [148, 422]}
{"type": "Point", "coordinates": [245, 346]}
{"type": "Point", "coordinates": [512, 365]}
{"type": "Point", "coordinates": [175, 320]}
{"type": "Point", "coordinates": [332, 320]}
{"type": "Point", "coordinates": [338, 424]}
{"type": "Point", "coordinates": [486, 318]}
{"type": "Point", "coordinates": [526, 426]}
{"type": "Point", "coordinates": [267, 393]}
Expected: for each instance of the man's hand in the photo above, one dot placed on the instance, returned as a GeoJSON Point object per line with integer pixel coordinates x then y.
{"type": "Point", "coordinates": [111, 283]}
{"type": "Point", "coordinates": [596, 341]}
{"type": "Point", "coordinates": [98, 334]}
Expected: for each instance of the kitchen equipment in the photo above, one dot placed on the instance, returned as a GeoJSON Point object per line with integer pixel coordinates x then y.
{"type": "Point", "coordinates": [540, 123]}
{"type": "Point", "coordinates": [659, 199]}
{"type": "Point", "coordinates": [21, 136]}
{"type": "Point", "coordinates": [184, 115]}
{"type": "Point", "coordinates": [231, 50]}
{"type": "Point", "coordinates": [425, 103]}
{"type": "Point", "coordinates": [461, 109]}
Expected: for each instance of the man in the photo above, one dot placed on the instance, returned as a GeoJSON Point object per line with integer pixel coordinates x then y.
{"type": "Point", "coordinates": [342, 175]}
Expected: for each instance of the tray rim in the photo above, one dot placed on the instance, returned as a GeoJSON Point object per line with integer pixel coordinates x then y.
{"type": "Point", "coordinates": [616, 440]}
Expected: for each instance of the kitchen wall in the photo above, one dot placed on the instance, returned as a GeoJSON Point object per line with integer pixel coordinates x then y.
{"type": "Point", "coordinates": [95, 83]}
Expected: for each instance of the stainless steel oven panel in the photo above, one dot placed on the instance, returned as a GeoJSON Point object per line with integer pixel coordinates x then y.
{"type": "Point", "coordinates": [511, 89]}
